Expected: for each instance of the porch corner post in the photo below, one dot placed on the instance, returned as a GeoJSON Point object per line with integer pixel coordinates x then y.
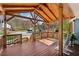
{"type": "Point", "coordinates": [5, 31]}
{"type": "Point", "coordinates": [61, 29]}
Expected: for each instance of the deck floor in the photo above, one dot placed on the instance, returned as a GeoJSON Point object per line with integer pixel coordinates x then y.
{"type": "Point", "coordinates": [30, 49]}
{"type": "Point", "coordinates": [75, 50]}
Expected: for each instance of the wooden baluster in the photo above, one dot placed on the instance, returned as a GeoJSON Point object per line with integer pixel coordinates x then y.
{"type": "Point", "coordinates": [21, 38]}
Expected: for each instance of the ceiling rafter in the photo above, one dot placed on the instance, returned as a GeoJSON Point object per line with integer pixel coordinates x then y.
{"type": "Point", "coordinates": [43, 14]}
{"type": "Point", "coordinates": [20, 4]}
{"type": "Point", "coordinates": [2, 9]}
{"type": "Point", "coordinates": [47, 12]}
{"type": "Point", "coordinates": [40, 13]}
{"type": "Point", "coordinates": [19, 9]}
{"type": "Point", "coordinates": [50, 11]}
{"type": "Point", "coordinates": [15, 12]}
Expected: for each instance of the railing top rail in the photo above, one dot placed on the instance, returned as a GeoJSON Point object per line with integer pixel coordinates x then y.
{"type": "Point", "coordinates": [13, 34]}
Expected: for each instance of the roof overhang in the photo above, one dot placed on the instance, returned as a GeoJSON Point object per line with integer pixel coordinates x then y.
{"type": "Point", "coordinates": [48, 11]}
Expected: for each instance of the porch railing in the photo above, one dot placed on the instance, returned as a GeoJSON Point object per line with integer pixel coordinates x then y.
{"type": "Point", "coordinates": [41, 35]}
{"type": "Point", "coordinates": [14, 39]}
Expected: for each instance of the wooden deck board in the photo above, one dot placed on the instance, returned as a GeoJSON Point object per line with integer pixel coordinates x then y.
{"type": "Point", "coordinates": [30, 49]}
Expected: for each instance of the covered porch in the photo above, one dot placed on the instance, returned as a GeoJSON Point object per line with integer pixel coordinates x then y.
{"type": "Point", "coordinates": [38, 43]}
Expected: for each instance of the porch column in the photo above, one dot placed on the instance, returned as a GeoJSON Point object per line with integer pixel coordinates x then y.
{"type": "Point", "coordinates": [61, 29]}
{"type": "Point", "coordinates": [5, 31]}
{"type": "Point", "coordinates": [34, 39]}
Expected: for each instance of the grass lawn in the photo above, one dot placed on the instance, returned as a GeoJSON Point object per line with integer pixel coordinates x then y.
{"type": "Point", "coordinates": [1, 32]}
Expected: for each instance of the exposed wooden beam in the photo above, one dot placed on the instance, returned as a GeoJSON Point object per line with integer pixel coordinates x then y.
{"type": "Point", "coordinates": [5, 30]}
{"type": "Point", "coordinates": [51, 11]}
{"type": "Point", "coordinates": [39, 12]}
{"type": "Point", "coordinates": [47, 12]}
{"type": "Point", "coordinates": [2, 9]}
{"type": "Point", "coordinates": [20, 4]}
{"type": "Point", "coordinates": [15, 12]}
{"type": "Point", "coordinates": [29, 9]}
{"type": "Point", "coordinates": [19, 9]}
{"type": "Point", "coordinates": [25, 17]}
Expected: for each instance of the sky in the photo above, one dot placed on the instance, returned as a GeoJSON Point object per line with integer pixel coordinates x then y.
{"type": "Point", "coordinates": [25, 14]}
{"type": "Point", "coordinates": [28, 15]}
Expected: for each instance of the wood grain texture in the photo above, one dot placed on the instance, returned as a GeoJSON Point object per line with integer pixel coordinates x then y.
{"type": "Point", "coordinates": [30, 49]}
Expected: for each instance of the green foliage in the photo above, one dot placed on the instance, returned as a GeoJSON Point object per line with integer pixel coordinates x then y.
{"type": "Point", "coordinates": [55, 30]}
{"type": "Point", "coordinates": [1, 32]}
{"type": "Point", "coordinates": [73, 37]}
{"type": "Point", "coordinates": [66, 25]}
{"type": "Point", "coordinates": [41, 27]}
{"type": "Point", "coordinates": [10, 37]}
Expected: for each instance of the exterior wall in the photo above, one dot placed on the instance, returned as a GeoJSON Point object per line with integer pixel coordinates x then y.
{"type": "Point", "coordinates": [76, 29]}
{"type": "Point", "coordinates": [76, 26]}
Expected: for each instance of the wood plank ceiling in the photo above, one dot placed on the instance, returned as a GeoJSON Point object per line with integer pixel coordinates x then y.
{"type": "Point", "coordinates": [48, 11]}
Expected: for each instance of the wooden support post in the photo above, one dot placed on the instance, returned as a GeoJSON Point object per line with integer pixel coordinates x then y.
{"type": "Point", "coordinates": [47, 29]}
{"type": "Point", "coordinates": [34, 32]}
{"type": "Point", "coordinates": [61, 30]}
{"type": "Point", "coordinates": [20, 38]}
{"type": "Point", "coordinates": [5, 31]}
{"type": "Point", "coordinates": [70, 27]}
